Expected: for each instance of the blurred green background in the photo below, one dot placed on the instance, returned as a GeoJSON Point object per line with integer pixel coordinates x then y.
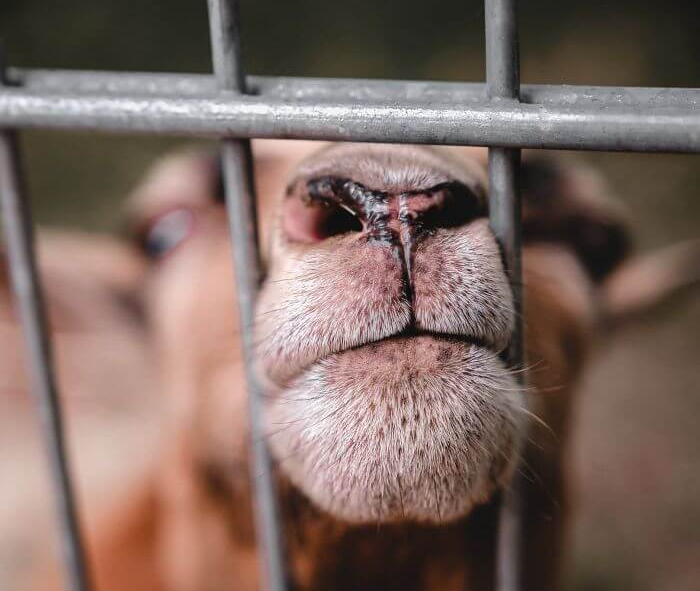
{"type": "Point", "coordinates": [637, 446]}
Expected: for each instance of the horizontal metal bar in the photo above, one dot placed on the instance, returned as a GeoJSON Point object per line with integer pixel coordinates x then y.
{"type": "Point", "coordinates": [345, 89]}
{"type": "Point", "coordinates": [487, 123]}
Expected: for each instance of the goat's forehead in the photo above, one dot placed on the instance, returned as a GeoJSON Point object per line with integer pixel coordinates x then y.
{"type": "Point", "coordinates": [391, 168]}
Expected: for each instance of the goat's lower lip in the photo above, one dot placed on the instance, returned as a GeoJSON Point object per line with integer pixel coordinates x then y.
{"type": "Point", "coordinates": [462, 338]}
{"type": "Point", "coordinates": [404, 354]}
{"type": "Point", "coordinates": [415, 333]}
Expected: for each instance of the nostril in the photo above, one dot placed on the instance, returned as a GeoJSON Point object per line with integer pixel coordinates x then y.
{"type": "Point", "coordinates": [313, 220]}
{"type": "Point", "coordinates": [453, 204]}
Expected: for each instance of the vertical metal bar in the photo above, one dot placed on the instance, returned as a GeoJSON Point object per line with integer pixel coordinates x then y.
{"type": "Point", "coordinates": [17, 226]}
{"type": "Point", "coordinates": [224, 24]}
{"type": "Point", "coordinates": [503, 84]}
{"type": "Point", "coordinates": [502, 50]}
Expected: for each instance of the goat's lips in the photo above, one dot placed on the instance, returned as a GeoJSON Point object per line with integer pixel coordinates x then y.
{"type": "Point", "coordinates": [402, 357]}
{"type": "Point", "coordinates": [426, 349]}
{"type": "Point", "coordinates": [418, 428]}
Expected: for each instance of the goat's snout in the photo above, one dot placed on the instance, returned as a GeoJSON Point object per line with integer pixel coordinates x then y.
{"type": "Point", "coordinates": [386, 292]}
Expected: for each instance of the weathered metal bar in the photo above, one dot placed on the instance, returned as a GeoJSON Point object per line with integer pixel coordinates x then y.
{"type": "Point", "coordinates": [503, 85]}
{"type": "Point", "coordinates": [502, 52]}
{"type": "Point", "coordinates": [237, 166]}
{"type": "Point", "coordinates": [28, 295]}
{"type": "Point", "coordinates": [504, 203]}
{"type": "Point", "coordinates": [344, 89]}
{"type": "Point", "coordinates": [485, 123]}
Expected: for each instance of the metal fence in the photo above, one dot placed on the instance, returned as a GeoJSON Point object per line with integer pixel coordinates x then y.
{"type": "Point", "coordinates": [501, 114]}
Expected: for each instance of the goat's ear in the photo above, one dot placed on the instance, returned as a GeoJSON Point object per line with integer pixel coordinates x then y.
{"type": "Point", "coordinates": [649, 283]}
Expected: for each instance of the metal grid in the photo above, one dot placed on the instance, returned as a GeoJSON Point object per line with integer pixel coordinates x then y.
{"type": "Point", "coordinates": [501, 114]}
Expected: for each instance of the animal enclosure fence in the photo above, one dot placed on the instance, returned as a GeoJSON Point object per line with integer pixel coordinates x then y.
{"type": "Point", "coordinates": [500, 114]}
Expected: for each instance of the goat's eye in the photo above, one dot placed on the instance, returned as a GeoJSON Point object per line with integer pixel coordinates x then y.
{"type": "Point", "coordinates": [167, 232]}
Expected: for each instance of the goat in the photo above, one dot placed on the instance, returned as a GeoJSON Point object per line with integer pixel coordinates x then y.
{"type": "Point", "coordinates": [393, 417]}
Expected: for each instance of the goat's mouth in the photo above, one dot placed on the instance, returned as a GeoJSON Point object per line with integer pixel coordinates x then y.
{"type": "Point", "coordinates": [286, 372]}
{"type": "Point", "coordinates": [412, 332]}
{"type": "Point", "coordinates": [417, 426]}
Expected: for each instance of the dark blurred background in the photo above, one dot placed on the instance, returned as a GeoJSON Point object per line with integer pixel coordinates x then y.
{"type": "Point", "coordinates": [637, 445]}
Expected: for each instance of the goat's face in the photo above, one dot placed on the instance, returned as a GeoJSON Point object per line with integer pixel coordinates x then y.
{"type": "Point", "coordinates": [380, 329]}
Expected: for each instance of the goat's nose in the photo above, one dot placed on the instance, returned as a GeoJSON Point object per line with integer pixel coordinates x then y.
{"type": "Point", "coordinates": [327, 206]}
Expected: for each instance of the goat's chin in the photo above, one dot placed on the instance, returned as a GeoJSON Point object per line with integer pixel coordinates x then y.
{"type": "Point", "coordinates": [407, 429]}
